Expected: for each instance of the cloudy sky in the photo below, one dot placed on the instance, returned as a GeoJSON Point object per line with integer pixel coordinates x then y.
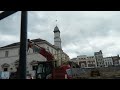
{"type": "Point", "coordinates": [82, 32]}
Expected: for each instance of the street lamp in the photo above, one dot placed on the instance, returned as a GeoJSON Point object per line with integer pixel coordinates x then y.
{"type": "Point", "coordinates": [23, 46]}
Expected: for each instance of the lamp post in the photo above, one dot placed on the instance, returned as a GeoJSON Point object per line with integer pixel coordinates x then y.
{"type": "Point", "coordinates": [23, 46]}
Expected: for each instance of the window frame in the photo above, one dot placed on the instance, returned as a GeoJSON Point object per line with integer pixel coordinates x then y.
{"type": "Point", "coordinates": [5, 69]}
{"type": "Point", "coordinates": [6, 53]}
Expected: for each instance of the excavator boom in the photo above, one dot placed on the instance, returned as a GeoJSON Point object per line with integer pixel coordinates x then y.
{"type": "Point", "coordinates": [48, 69]}
{"type": "Point", "coordinates": [40, 50]}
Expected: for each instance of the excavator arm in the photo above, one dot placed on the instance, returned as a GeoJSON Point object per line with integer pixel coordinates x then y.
{"type": "Point", "coordinates": [48, 70]}
{"type": "Point", "coordinates": [40, 50]}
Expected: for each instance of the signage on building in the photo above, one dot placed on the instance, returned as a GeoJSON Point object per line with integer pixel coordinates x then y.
{"type": "Point", "coordinates": [4, 75]}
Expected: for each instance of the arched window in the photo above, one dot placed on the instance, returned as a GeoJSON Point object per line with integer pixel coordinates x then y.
{"type": "Point", "coordinates": [6, 53]}
{"type": "Point", "coordinates": [5, 66]}
{"type": "Point", "coordinates": [34, 63]}
{"type": "Point", "coordinates": [82, 65]}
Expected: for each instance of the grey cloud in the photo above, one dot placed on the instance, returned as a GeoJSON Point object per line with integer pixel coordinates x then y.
{"type": "Point", "coordinates": [79, 30]}
{"type": "Point", "coordinates": [10, 25]}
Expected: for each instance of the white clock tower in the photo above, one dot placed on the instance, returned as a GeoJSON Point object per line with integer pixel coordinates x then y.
{"type": "Point", "coordinates": [57, 39]}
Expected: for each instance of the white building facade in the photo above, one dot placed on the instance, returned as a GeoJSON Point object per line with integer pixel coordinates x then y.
{"type": "Point", "coordinates": [91, 62]}
{"type": "Point", "coordinates": [99, 59]}
{"type": "Point", "coordinates": [108, 61]}
{"type": "Point", "coordinates": [9, 56]}
{"type": "Point", "coordinates": [85, 61]}
{"type": "Point", "coordinates": [82, 61]}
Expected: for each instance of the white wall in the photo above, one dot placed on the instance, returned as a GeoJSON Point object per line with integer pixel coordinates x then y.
{"type": "Point", "coordinates": [87, 59]}
{"type": "Point", "coordinates": [108, 61]}
{"type": "Point", "coordinates": [57, 34]}
{"type": "Point", "coordinates": [57, 39]}
{"type": "Point", "coordinates": [13, 56]}
{"type": "Point", "coordinates": [11, 52]}
{"type": "Point", "coordinates": [91, 60]}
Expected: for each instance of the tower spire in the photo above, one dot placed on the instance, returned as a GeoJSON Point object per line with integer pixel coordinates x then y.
{"type": "Point", "coordinates": [57, 39]}
{"type": "Point", "coordinates": [56, 29]}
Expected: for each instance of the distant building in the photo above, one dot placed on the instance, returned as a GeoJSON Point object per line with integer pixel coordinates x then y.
{"type": "Point", "coordinates": [99, 59]}
{"type": "Point", "coordinates": [116, 60]}
{"type": "Point", "coordinates": [85, 61]}
{"type": "Point", "coordinates": [91, 62]}
{"type": "Point", "coordinates": [108, 61]}
{"type": "Point", "coordinates": [82, 61]}
{"type": "Point", "coordinates": [74, 60]}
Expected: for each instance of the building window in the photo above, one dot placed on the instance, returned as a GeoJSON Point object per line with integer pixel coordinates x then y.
{"type": "Point", "coordinates": [33, 67]}
{"type": "Point", "coordinates": [16, 68]}
{"type": "Point", "coordinates": [5, 69]}
{"type": "Point", "coordinates": [18, 51]}
{"type": "Point", "coordinates": [34, 51]}
{"type": "Point", "coordinates": [82, 65]}
{"type": "Point", "coordinates": [48, 49]}
{"type": "Point", "coordinates": [55, 52]}
{"type": "Point", "coordinates": [106, 63]}
{"type": "Point", "coordinates": [52, 51]}
{"type": "Point", "coordinates": [27, 72]}
{"type": "Point", "coordinates": [6, 53]}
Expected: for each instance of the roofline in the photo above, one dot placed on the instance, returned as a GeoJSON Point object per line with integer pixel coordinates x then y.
{"type": "Point", "coordinates": [53, 46]}
{"type": "Point", "coordinates": [9, 47]}
{"type": "Point", "coordinates": [17, 46]}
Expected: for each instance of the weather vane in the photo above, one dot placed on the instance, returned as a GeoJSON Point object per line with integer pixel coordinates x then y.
{"type": "Point", "coordinates": [56, 22]}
